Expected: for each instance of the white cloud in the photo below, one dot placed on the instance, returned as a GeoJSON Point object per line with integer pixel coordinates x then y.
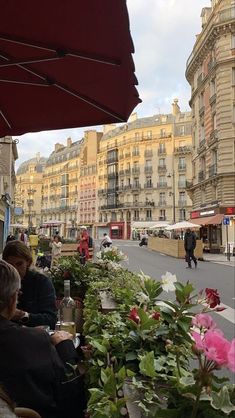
{"type": "Point", "coordinates": [163, 32]}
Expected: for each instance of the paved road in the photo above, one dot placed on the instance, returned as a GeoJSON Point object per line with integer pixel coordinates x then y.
{"type": "Point", "coordinates": [206, 275]}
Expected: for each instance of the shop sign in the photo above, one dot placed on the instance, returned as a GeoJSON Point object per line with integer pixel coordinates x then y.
{"type": "Point", "coordinates": [207, 212]}
{"type": "Point", "coordinates": [226, 220]}
{"type": "Point", "coordinates": [230, 211]}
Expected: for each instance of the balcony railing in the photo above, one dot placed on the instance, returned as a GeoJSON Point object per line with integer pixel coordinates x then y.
{"type": "Point", "coordinates": [162, 203]}
{"type": "Point", "coordinates": [201, 175]}
{"type": "Point", "coordinates": [136, 186]}
{"type": "Point", "coordinates": [212, 170]}
{"type": "Point", "coordinates": [135, 170]}
{"type": "Point", "coordinates": [128, 171]}
{"type": "Point", "coordinates": [112, 175]}
{"type": "Point", "coordinates": [162, 185]}
{"type": "Point", "coordinates": [148, 186]}
{"type": "Point", "coordinates": [183, 150]}
{"type": "Point", "coordinates": [213, 137]}
{"type": "Point", "coordinates": [161, 168]}
{"type": "Point", "coordinates": [121, 172]}
{"type": "Point", "coordinates": [111, 160]}
{"type": "Point", "coordinates": [202, 145]}
{"type": "Point", "coordinates": [127, 155]}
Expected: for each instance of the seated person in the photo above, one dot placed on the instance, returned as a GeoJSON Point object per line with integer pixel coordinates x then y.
{"type": "Point", "coordinates": [33, 364]}
{"type": "Point", "coordinates": [106, 241]}
{"type": "Point", "coordinates": [37, 301]}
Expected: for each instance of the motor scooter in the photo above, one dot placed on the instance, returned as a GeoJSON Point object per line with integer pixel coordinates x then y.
{"type": "Point", "coordinates": [144, 241]}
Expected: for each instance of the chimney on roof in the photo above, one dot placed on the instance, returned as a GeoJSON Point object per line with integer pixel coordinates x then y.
{"type": "Point", "coordinates": [69, 142]}
{"type": "Point", "coordinates": [175, 107]}
{"type": "Point", "coordinates": [58, 146]}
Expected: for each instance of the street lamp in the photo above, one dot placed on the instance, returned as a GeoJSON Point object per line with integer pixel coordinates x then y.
{"type": "Point", "coordinates": [30, 204]}
{"type": "Point", "coordinates": [173, 193]}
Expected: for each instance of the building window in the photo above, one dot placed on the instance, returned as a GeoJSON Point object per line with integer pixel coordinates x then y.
{"type": "Point", "coordinates": [233, 41]}
{"type": "Point", "coordinates": [162, 215]}
{"type": "Point", "coordinates": [162, 198]}
{"type": "Point", "coordinates": [182, 214]}
{"type": "Point", "coordinates": [136, 215]}
{"type": "Point", "coordinates": [182, 130]}
{"type": "Point", "coordinates": [182, 196]}
{"type": "Point", "coordinates": [137, 135]}
{"type": "Point", "coordinates": [149, 181]}
{"type": "Point", "coordinates": [212, 87]}
{"type": "Point", "coordinates": [214, 124]}
{"type": "Point", "coordinates": [162, 133]}
{"type": "Point", "coordinates": [113, 216]}
{"type": "Point", "coordinates": [149, 134]}
{"type": "Point", "coordinates": [202, 131]}
{"type": "Point", "coordinates": [148, 214]}
{"type": "Point", "coordinates": [162, 162]}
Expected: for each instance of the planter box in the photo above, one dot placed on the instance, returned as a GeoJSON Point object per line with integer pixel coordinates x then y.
{"type": "Point", "coordinates": [173, 247]}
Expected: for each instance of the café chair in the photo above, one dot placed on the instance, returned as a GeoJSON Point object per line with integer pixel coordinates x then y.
{"type": "Point", "coordinates": [26, 413]}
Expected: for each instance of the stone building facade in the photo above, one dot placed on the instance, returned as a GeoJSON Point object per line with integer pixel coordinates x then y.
{"type": "Point", "coordinates": [211, 73]}
{"type": "Point", "coordinates": [142, 168]}
{"type": "Point", "coordinates": [28, 192]}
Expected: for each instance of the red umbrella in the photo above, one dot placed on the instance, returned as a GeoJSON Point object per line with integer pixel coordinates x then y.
{"type": "Point", "coordinates": [64, 64]}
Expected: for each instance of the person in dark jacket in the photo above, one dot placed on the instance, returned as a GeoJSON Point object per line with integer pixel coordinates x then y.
{"type": "Point", "coordinates": [34, 365]}
{"type": "Point", "coordinates": [190, 245]}
{"type": "Point", "coordinates": [37, 301]}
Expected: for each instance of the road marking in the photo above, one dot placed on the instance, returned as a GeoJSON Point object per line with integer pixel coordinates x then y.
{"type": "Point", "coordinates": [228, 313]}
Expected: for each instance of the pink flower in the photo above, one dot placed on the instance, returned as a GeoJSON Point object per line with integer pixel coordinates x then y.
{"type": "Point", "coordinates": [203, 321]}
{"type": "Point", "coordinates": [231, 356]}
{"type": "Point", "coordinates": [156, 315]}
{"type": "Point", "coordinates": [133, 315]}
{"type": "Point", "coordinates": [212, 297]}
{"type": "Point", "coordinates": [198, 341]}
{"type": "Point", "coordinates": [216, 347]}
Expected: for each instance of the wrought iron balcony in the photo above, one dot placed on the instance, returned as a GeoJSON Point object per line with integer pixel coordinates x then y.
{"type": "Point", "coordinates": [148, 169]}
{"type": "Point", "coordinates": [162, 185]}
{"type": "Point", "coordinates": [182, 167]}
{"type": "Point", "coordinates": [135, 170]}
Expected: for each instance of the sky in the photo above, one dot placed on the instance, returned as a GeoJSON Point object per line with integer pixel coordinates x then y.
{"type": "Point", "coordinates": [164, 33]}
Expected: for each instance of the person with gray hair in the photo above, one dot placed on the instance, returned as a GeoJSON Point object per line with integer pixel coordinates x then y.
{"type": "Point", "coordinates": [34, 364]}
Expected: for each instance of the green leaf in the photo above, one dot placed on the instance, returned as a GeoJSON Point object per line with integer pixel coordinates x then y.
{"type": "Point", "coordinates": [187, 381]}
{"type": "Point", "coordinates": [131, 356]}
{"type": "Point", "coordinates": [221, 400]}
{"type": "Point", "coordinates": [110, 386]}
{"type": "Point", "coordinates": [101, 348]}
{"type": "Point", "coordinates": [147, 365]}
{"type": "Point", "coordinates": [122, 373]}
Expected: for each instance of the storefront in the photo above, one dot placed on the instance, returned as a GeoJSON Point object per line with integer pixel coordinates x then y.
{"type": "Point", "coordinates": [213, 231]}
{"type": "Point", "coordinates": [117, 230]}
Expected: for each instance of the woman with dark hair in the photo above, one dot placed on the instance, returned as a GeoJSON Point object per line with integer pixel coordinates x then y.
{"type": "Point", "coordinates": [37, 301]}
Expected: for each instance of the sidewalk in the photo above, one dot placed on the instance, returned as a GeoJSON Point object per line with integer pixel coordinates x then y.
{"type": "Point", "coordinates": [219, 259]}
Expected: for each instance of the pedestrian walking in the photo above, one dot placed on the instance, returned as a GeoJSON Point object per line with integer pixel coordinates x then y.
{"type": "Point", "coordinates": [83, 247]}
{"type": "Point", "coordinates": [56, 246]}
{"type": "Point", "coordinates": [190, 245]}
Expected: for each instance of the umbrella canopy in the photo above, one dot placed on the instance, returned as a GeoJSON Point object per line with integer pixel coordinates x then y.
{"type": "Point", "coordinates": [160, 225]}
{"type": "Point", "coordinates": [182, 225]}
{"type": "Point", "coordinates": [64, 65]}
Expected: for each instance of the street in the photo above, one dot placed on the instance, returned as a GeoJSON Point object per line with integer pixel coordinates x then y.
{"type": "Point", "coordinates": [207, 274]}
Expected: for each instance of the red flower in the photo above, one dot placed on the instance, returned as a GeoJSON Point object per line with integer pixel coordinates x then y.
{"type": "Point", "coordinates": [212, 297]}
{"type": "Point", "coordinates": [66, 275]}
{"type": "Point", "coordinates": [133, 315]}
{"type": "Point", "coordinates": [220, 309]}
{"type": "Point", "coordinates": [156, 315]}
